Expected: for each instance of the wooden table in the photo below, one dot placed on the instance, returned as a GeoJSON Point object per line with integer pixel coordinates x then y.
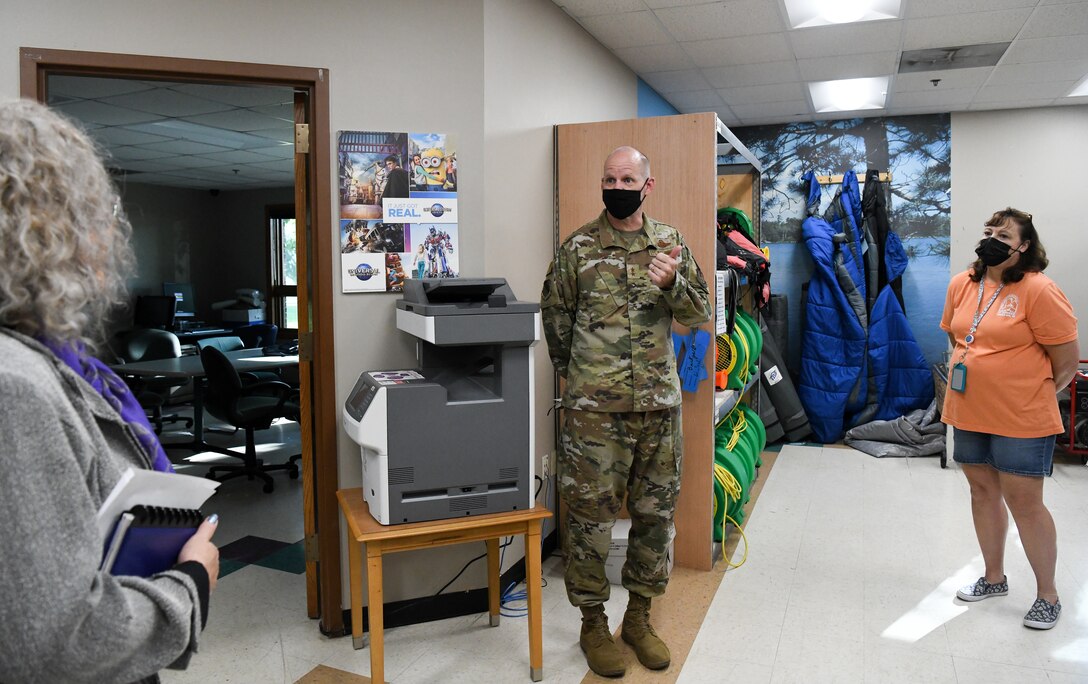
{"type": "Point", "coordinates": [192, 367]}
{"type": "Point", "coordinates": [380, 539]}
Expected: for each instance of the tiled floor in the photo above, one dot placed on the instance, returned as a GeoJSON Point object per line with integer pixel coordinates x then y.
{"type": "Point", "coordinates": [850, 577]}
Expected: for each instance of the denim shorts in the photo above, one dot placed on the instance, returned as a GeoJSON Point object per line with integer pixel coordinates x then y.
{"type": "Point", "coordinates": [1032, 456]}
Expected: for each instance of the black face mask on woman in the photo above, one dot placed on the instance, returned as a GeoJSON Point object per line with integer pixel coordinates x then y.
{"type": "Point", "coordinates": [623, 203]}
{"type": "Point", "coordinates": [992, 251]}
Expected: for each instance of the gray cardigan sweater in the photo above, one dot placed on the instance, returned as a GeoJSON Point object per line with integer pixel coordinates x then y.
{"type": "Point", "coordinates": [62, 449]}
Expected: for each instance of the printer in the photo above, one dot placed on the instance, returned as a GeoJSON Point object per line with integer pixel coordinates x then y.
{"type": "Point", "coordinates": [452, 437]}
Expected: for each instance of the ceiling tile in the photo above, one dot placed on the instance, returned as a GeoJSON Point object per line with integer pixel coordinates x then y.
{"type": "Point", "coordinates": [1038, 71]}
{"type": "Point", "coordinates": [283, 165]}
{"type": "Point", "coordinates": [149, 166]}
{"type": "Point", "coordinates": [767, 47]}
{"type": "Point", "coordinates": [779, 92]}
{"type": "Point", "coordinates": [104, 114]}
{"type": "Point", "coordinates": [119, 135]}
{"type": "Point", "coordinates": [236, 157]}
{"type": "Point", "coordinates": [629, 29]}
{"type": "Point", "coordinates": [1011, 103]}
{"type": "Point", "coordinates": [857, 66]}
{"type": "Point", "coordinates": [963, 29]}
{"type": "Point", "coordinates": [849, 39]}
{"type": "Point", "coordinates": [282, 134]}
{"type": "Point", "coordinates": [235, 120]}
{"type": "Point", "coordinates": [237, 96]}
{"type": "Point", "coordinates": [752, 74]}
{"type": "Point", "coordinates": [664, 57]}
{"type": "Point", "coordinates": [1058, 20]}
{"type": "Point", "coordinates": [666, 82]}
{"type": "Point", "coordinates": [283, 113]}
{"type": "Point", "coordinates": [277, 152]}
{"type": "Point", "coordinates": [722, 19]}
{"type": "Point", "coordinates": [784, 119]}
{"type": "Point", "coordinates": [934, 8]}
{"type": "Point", "coordinates": [696, 99]}
{"type": "Point", "coordinates": [1046, 49]}
{"type": "Point", "coordinates": [183, 147]}
{"type": "Point", "coordinates": [949, 79]}
{"type": "Point", "coordinates": [192, 162]}
{"type": "Point", "coordinates": [132, 153]}
{"type": "Point", "coordinates": [934, 97]}
{"type": "Point", "coordinates": [86, 87]}
{"type": "Point", "coordinates": [1024, 91]}
{"type": "Point", "coordinates": [161, 179]}
{"type": "Point", "coordinates": [586, 8]}
{"type": "Point", "coordinates": [165, 102]}
{"type": "Point", "coordinates": [660, 4]}
{"type": "Point", "coordinates": [790, 108]}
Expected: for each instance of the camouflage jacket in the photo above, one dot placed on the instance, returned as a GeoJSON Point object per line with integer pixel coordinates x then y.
{"type": "Point", "coordinates": [609, 327]}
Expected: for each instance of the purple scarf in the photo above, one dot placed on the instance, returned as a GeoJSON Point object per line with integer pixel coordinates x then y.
{"type": "Point", "coordinates": [117, 394]}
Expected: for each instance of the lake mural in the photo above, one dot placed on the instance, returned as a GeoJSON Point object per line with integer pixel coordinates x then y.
{"type": "Point", "coordinates": [915, 150]}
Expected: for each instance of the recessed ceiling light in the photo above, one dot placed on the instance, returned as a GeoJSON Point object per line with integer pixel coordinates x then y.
{"type": "Point", "coordinates": [849, 94]}
{"type": "Point", "coordinates": [1081, 88]}
{"type": "Point", "coordinates": [806, 13]}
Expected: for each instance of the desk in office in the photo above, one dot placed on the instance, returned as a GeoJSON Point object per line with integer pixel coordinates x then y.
{"type": "Point", "coordinates": [190, 336]}
{"type": "Point", "coordinates": [488, 528]}
{"type": "Point", "coordinates": [191, 367]}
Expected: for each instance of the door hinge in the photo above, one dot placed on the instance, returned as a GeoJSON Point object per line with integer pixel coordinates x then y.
{"type": "Point", "coordinates": [302, 138]}
{"type": "Point", "coordinates": [311, 547]}
{"type": "Point", "coordinates": [306, 346]}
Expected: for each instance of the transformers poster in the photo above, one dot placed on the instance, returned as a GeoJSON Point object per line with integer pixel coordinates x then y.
{"type": "Point", "coordinates": [398, 208]}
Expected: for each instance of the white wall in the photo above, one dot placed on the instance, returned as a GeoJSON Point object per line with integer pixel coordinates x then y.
{"type": "Point", "coordinates": [554, 73]}
{"type": "Point", "coordinates": [1033, 160]}
{"type": "Point", "coordinates": [459, 67]}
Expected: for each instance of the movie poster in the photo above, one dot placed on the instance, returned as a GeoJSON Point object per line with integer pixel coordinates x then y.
{"type": "Point", "coordinates": [398, 209]}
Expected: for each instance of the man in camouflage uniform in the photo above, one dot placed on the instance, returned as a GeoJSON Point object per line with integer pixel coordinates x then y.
{"type": "Point", "coordinates": [608, 303]}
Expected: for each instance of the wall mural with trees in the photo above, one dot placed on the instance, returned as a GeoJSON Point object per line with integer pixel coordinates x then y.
{"type": "Point", "coordinates": [915, 150]}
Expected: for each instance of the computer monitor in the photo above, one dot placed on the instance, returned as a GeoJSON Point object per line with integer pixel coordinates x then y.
{"type": "Point", "coordinates": [183, 293]}
{"type": "Point", "coordinates": [154, 311]}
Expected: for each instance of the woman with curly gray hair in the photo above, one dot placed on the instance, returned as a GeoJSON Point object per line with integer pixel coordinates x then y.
{"type": "Point", "coordinates": [71, 428]}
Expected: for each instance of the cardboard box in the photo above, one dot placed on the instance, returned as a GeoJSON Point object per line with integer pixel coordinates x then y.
{"type": "Point", "coordinates": [617, 551]}
{"type": "Point", "coordinates": [243, 315]}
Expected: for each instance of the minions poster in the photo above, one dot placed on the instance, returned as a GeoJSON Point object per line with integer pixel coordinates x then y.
{"type": "Point", "coordinates": [398, 208]}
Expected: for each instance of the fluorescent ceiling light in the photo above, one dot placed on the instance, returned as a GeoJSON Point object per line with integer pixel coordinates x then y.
{"type": "Point", "coordinates": [849, 94]}
{"type": "Point", "coordinates": [1081, 88]}
{"type": "Point", "coordinates": [806, 13]}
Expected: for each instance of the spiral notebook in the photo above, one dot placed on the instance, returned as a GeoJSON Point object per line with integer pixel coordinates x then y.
{"type": "Point", "coordinates": [147, 518]}
{"type": "Point", "coordinates": [147, 539]}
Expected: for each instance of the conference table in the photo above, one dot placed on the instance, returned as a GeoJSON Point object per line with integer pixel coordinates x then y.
{"type": "Point", "coordinates": [191, 367]}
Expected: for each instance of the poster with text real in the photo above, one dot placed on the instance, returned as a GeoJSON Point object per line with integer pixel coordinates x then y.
{"type": "Point", "coordinates": [398, 209]}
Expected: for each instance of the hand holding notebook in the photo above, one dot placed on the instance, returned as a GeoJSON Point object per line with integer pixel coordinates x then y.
{"type": "Point", "coordinates": [147, 518]}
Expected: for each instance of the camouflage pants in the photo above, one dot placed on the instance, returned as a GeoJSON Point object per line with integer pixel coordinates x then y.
{"type": "Point", "coordinates": [603, 457]}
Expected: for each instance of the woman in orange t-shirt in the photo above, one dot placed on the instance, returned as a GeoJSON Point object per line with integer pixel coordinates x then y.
{"type": "Point", "coordinates": [1015, 344]}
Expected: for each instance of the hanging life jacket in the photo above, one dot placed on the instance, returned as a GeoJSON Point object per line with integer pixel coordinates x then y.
{"type": "Point", "coordinates": [737, 250]}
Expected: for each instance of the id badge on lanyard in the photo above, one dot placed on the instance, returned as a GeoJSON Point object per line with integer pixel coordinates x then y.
{"type": "Point", "coordinates": [957, 380]}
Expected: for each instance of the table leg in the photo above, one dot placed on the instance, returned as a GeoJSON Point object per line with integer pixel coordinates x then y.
{"type": "Point", "coordinates": [493, 589]}
{"type": "Point", "coordinates": [532, 591]}
{"type": "Point", "coordinates": [375, 609]}
{"type": "Point", "coordinates": [355, 581]}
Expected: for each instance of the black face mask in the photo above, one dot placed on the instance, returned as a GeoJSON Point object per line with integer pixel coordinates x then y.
{"type": "Point", "coordinates": [992, 251]}
{"type": "Point", "coordinates": [623, 203]}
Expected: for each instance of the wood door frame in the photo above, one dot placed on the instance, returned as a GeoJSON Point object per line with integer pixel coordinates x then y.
{"type": "Point", "coordinates": [35, 64]}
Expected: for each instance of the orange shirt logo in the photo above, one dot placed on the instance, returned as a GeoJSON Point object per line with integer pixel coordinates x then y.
{"type": "Point", "coordinates": [1009, 306]}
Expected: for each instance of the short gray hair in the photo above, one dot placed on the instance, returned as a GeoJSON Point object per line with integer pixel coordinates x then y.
{"type": "Point", "coordinates": [66, 239]}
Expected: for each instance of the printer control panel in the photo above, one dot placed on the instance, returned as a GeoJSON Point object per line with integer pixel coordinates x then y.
{"type": "Point", "coordinates": [366, 388]}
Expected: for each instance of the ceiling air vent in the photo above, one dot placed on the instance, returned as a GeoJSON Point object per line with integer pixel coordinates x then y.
{"type": "Point", "coordinates": [960, 57]}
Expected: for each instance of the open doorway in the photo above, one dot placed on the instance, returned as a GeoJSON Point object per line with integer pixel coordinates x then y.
{"type": "Point", "coordinates": [154, 123]}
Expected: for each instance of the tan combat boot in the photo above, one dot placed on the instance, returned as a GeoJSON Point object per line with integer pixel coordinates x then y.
{"type": "Point", "coordinates": [650, 649]}
{"type": "Point", "coordinates": [602, 653]}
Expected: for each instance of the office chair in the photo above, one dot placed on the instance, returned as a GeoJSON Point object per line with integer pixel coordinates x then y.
{"type": "Point", "coordinates": [229, 343]}
{"type": "Point", "coordinates": [225, 343]}
{"type": "Point", "coordinates": [257, 335]}
{"type": "Point", "coordinates": [153, 392]}
{"type": "Point", "coordinates": [250, 406]}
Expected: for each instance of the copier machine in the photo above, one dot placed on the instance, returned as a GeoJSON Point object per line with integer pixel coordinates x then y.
{"type": "Point", "coordinates": [453, 437]}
